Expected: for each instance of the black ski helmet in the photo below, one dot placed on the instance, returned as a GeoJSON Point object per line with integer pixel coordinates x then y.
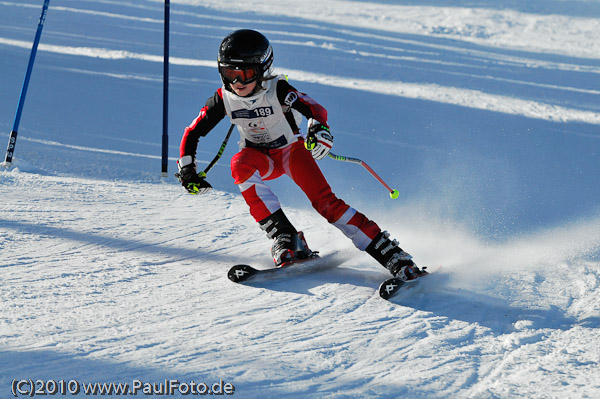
{"type": "Point", "coordinates": [245, 49]}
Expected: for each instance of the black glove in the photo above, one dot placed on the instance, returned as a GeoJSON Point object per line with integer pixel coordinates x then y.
{"type": "Point", "coordinates": [189, 178]}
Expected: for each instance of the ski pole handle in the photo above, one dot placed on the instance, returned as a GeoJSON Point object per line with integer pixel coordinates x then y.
{"type": "Point", "coordinates": [393, 192]}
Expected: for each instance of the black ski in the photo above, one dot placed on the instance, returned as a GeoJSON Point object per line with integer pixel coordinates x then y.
{"type": "Point", "coordinates": [243, 273]}
{"type": "Point", "coordinates": [392, 286]}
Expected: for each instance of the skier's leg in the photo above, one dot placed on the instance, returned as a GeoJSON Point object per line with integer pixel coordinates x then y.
{"type": "Point", "coordinates": [303, 169]}
{"type": "Point", "coordinates": [249, 168]}
{"type": "Point", "coordinates": [364, 233]}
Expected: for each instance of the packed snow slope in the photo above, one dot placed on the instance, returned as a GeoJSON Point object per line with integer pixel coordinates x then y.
{"type": "Point", "coordinates": [486, 118]}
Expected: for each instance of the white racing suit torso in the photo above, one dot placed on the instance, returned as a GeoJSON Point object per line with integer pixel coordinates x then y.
{"type": "Point", "coordinates": [260, 118]}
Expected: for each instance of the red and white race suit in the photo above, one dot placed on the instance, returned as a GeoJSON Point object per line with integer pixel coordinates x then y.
{"type": "Point", "coordinates": [271, 145]}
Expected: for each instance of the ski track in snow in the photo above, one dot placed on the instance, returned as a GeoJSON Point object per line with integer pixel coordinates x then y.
{"type": "Point", "coordinates": [101, 281]}
{"type": "Point", "coordinates": [110, 274]}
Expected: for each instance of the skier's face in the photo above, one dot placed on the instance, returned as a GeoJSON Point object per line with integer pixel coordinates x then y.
{"type": "Point", "coordinates": [243, 90]}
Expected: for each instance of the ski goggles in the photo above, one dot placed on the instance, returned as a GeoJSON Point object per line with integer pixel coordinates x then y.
{"type": "Point", "coordinates": [233, 74]}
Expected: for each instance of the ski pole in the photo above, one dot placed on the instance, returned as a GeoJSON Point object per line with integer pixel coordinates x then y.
{"type": "Point", "coordinates": [219, 154]}
{"type": "Point", "coordinates": [393, 192]}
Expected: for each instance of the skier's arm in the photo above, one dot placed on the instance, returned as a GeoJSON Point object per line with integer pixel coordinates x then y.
{"type": "Point", "coordinates": [210, 115]}
{"type": "Point", "coordinates": [318, 139]}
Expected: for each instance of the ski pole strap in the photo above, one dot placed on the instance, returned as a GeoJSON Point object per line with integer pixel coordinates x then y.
{"type": "Point", "coordinates": [219, 154]}
{"type": "Point", "coordinates": [393, 192]}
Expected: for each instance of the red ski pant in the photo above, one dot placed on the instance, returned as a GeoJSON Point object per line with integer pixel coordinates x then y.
{"type": "Point", "coordinates": [251, 167]}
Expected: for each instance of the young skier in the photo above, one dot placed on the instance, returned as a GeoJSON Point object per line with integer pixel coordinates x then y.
{"type": "Point", "coordinates": [267, 111]}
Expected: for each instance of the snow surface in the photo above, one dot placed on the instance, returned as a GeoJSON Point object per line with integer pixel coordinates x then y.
{"type": "Point", "coordinates": [485, 115]}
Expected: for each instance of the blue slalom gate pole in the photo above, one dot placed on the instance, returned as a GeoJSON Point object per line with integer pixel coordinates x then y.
{"type": "Point", "coordinates": [13, 134]}
{"type": "Point", "coordinates": [165, 134]}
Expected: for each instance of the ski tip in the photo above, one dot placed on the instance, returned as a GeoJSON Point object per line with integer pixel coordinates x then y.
{"type": "Point", "coordinates": [390, 287]}
{"type": "Point", "coordinates": [239, 273]}
{"type": "Point", "coordinates": [393, 285]}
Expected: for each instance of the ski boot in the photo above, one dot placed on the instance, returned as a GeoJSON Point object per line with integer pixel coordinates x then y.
{"type": "Point", "coordinates": [289, 248]}
{"type": "Point", "coordinates": [289, 245]}
{"type": "Point", "coordinates": [392, 257]}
